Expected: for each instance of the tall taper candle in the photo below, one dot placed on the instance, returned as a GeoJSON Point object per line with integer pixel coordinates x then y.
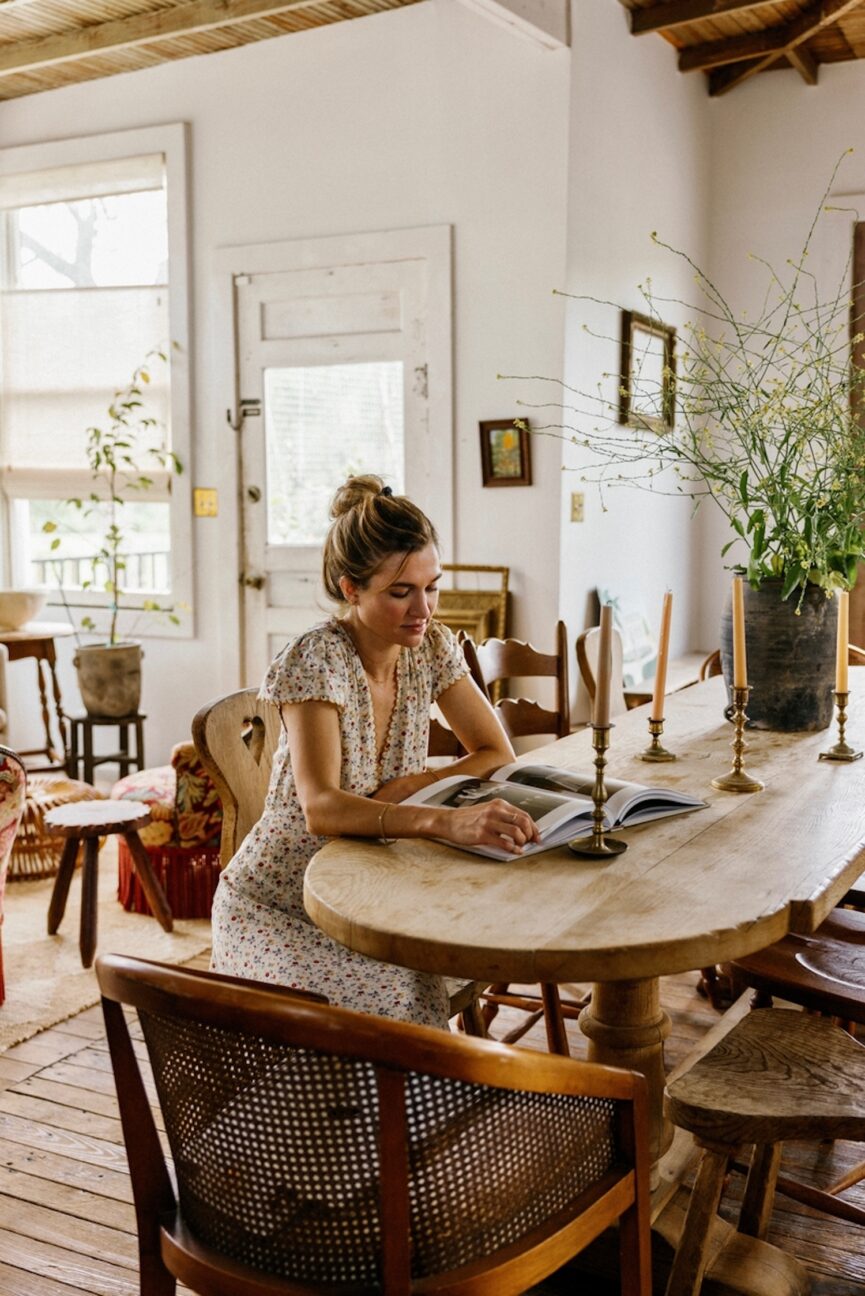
{"type": "Point", "coordinates": [601, 713]}
{"type": "Point", "coordinates": [843, 640]}
{"type": "Point", "coordinates": [657, 712]}
{"type": "Point", "coordinates": [740, 661]}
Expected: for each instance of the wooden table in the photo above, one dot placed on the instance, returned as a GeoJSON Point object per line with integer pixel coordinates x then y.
{"type": "Point", "coordinates": [692, 890]}
{"type": "Point", "coordinates": [37, 640]}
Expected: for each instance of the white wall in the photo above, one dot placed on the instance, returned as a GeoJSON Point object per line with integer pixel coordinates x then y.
{"type": "Point", "coordinates": [421, 116]}
{"type": "Point", "coordinates": [775, 142]}
{"type": "Point", "coordinates": [639, 162]}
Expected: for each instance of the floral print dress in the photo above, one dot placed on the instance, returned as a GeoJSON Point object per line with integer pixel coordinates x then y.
{"type": "Point", "coordinates": [260, 927]}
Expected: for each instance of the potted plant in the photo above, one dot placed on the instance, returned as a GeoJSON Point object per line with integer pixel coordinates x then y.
{"type": "Point", "coordinates": [766, 421]}
{"type": "Point", "coordinates": [118, 455]}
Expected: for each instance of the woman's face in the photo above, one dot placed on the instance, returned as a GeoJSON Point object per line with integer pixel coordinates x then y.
{"type": "Point", "coordinates": [398, 603]}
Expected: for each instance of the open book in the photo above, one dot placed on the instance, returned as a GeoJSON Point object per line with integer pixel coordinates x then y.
{"type": "Point", "coordinates": [559, 801]}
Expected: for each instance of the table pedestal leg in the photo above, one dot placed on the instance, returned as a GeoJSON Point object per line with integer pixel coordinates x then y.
{"type": "Point", "coordinates": [626, 1027]}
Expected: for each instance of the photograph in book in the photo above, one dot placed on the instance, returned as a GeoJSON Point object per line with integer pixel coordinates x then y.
{"type": "Point", "coordinates": [559, 801]}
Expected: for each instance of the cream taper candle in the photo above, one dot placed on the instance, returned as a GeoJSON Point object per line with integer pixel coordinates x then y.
{"type": "Point", "coordinates": [657, 712]}
{"type": "Point", "coordinates": [601, 713]}
{"type": "Point", "coordinates": [740, 661]}
{"type": "Point", "coordinates": [841, 658]}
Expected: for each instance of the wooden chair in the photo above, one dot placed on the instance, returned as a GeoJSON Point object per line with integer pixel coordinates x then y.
{"type": "Point", "coordinates": [505, 659]}
{"type": "Point", "coordinates": [501, 660]}
{"type": "Point", "coordinates": [777, 1075]}
{"type": "Point", "coordinates": [13, 791]}
{"type": "Point", "coordinates": [711, 665]}
{"type": "Point", "coordinates": [236, 737]}
{"type": "Point", "coordinates": [318, 1150]}
{"type": "Point", "coordinates": [588, 644]}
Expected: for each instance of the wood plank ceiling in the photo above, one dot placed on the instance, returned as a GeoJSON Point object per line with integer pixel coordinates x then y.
{"type": "Point", "coordinates": [732, 40]}
{"type": "Point", "coordinates": [49, 43]}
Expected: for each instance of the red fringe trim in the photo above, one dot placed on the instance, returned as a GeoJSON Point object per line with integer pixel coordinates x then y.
{"type": "Point", "coordinates": [188, 878]}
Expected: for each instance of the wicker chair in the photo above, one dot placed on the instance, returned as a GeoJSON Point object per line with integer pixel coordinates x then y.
{"type": "Point", "coordinates": [492, 1168]}
{"type": "Point", "coordinates": [13, 788]}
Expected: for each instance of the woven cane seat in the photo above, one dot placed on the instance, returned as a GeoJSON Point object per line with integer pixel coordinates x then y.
{"type": "Point", "coordinates": [35, 853]}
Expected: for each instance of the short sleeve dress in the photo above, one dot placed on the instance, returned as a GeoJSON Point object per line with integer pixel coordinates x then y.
{"type": "Point", "coordinates": [260, 927]}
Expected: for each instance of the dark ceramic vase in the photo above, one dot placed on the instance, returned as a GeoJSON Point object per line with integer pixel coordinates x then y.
{"type": "Point", "coordinates": [791, 657]}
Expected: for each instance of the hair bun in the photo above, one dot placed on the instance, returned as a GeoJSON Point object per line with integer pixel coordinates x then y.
{"type": "Point", "coordinates": [354, 492]}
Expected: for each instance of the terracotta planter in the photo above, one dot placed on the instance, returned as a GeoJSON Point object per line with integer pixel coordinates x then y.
{"type": "Point", "coordinates": [791, 657]}
{"type": "Point", "coordinates": [109, 678]}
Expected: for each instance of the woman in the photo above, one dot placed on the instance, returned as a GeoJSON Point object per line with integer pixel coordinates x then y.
{"type": "Point", "coordinates": [355, 696]}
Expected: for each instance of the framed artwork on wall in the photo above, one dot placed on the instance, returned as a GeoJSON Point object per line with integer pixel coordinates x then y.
{"type": "Point", "coordinates": [647, 384]}
{"type": "Point", "coordinates": [505, 453]}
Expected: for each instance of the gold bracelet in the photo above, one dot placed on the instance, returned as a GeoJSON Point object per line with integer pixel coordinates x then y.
{"type": "Point", "coordinates": [385, 841]}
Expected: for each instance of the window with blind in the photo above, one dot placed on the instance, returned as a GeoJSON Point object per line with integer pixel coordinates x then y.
{"type": "Point", "coordinates": [91, 257]}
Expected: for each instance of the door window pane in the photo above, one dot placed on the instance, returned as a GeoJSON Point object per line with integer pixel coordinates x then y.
{"type": "Point", "coordinates": [324, 423]}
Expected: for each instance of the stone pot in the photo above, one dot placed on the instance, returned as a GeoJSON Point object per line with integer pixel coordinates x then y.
{"type": "Point", "coordinates": [109, 678]}
{"type": "Point", "coordinates": [791, 657]}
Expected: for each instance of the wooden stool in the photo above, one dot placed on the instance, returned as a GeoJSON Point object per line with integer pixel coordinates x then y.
{"type": "Point", "coordinates": [81, 732]}
{"type": "Point", "coordinates": [88, 821]}
{"type": "Point", "coordinates": [778, 1074]}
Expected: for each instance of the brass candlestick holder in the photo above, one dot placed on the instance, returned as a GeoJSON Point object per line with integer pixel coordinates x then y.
{"type": "Point", "coordinates": [655, 751]}
{"type": "Point", "coordinates": [737, 780]}
{"type": "Point", "coordinates": [841, 751]}
{"type": "Point", "coordinates": [600, 843]}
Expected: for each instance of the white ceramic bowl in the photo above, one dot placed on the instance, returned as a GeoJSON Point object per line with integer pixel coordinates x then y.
{"type": "Point", "coordinates": [17, 607]}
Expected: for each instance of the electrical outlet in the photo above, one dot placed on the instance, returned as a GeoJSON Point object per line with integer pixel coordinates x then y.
{"type": "Point", "coordinates": [204, 502]}
{"type": "Point", "coordinates": [577, 501]}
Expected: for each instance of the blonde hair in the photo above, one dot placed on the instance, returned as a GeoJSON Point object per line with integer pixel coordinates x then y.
{"type": "Point", "coordinates": [369, 524]}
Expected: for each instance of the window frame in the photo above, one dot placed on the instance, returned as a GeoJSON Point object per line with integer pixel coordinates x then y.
{"type": "Point", "coordinates": [31, 483]}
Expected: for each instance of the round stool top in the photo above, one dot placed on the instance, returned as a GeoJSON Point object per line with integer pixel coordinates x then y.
{"type": "Point", "coordinates": [94, 818]}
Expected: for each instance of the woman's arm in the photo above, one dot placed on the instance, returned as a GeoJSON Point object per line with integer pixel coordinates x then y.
{"type": "Point", "coordinates": [316, 757]}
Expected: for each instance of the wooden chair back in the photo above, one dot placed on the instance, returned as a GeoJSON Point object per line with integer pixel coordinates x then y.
{"type": "Point", "coordinates": [711, 665]}
{"type": "Point", "coordinates": [236, 738]}
{"type": "Point", "coordinates": [504, 659]}
{"type": "Point", "coordinates": [588, 644]}
{"type": "Point", "coordinates": [272, 1106]}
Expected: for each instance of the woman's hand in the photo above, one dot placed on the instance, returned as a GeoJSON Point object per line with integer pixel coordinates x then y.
{"type": "Point", "coordinates": [490, 823]}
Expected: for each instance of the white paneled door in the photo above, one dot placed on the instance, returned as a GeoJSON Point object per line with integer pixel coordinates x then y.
{"type": "Point", "coordinates": [344, 367]}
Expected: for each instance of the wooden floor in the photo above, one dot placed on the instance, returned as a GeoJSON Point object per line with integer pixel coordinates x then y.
{"type": "Point", "coordinates": [66, 1219]}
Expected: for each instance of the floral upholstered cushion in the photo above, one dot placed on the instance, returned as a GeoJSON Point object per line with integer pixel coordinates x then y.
{"type": "Point", "coordinates": [183, 802]}
{"type": "Point", "coordinates": [199, 811]}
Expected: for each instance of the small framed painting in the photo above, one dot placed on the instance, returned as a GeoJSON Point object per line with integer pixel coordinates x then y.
{"type": "Point", "coordinates": [647, 387]}
{"type": "Point", "coordinates": [505, 453]}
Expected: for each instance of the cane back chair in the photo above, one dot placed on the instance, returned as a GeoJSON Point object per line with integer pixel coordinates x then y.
{"type": "Point", "coordinates": [337, 1151]}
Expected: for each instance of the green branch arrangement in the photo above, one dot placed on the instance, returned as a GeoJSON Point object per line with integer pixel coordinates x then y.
{"type": "Point", "coordinates": [766, 419]}
{"type": "Point", "coordinates": [112, 458]}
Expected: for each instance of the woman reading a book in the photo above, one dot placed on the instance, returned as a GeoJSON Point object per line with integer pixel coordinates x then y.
{"type": "Point", "coordinates": [355, 695]}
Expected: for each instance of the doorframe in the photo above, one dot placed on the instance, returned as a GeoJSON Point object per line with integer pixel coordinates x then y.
{"type": "Point", "coordinates": [432, 243]}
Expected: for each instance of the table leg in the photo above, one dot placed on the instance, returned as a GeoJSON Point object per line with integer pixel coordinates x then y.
{"type": "Point", "coordinates": [57, 904]}
{"type": "Point", "coordinates": [159, 906]}
{"type": "Point", "coordinates": [88, 752]}
{"type": "Point", "coordinates": [557, 1036]}
{"type": "Point", "coordinates": [51, 659]}
{"type": "Point", "coordinates": [626, 1027]}
{"type": "Point", "coordinates": [89, 898]}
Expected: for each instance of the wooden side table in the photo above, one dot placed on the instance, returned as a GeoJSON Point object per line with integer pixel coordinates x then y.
{"type": "Point", "coordinates": [87, 821]}
{"type": "Point", "coordinates": [80, 751]}
{"type": "Point", "coordinates": [37, 640]}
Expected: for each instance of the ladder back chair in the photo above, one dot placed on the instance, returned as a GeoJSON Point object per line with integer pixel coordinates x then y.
{"type": "Point", "coordinates": [236, 737]}
{"type": "Point", "coordinates": [502, 660]}
{"type": "Point", "coordinates": [505, 659]}
{"type": "Point", "coordinates": [317, 1149]}
{"type": "Point", "coordinates": [443, 742]}
{"type": "Point", "coordinates": [588, 644]}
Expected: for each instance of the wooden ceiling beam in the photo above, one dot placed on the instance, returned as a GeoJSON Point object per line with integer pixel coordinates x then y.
{"type": "Point", "coordinates": [677, 13]}
{"type": "Point", "coordinates": [765, 47]}
{"type": "Point", "coordinates": [805, 64]}
{"type": "Point", "coordinates": [138, 29]}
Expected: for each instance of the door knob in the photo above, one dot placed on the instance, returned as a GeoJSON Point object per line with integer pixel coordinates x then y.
{"type": "Point", "coordinates": [253, 580]}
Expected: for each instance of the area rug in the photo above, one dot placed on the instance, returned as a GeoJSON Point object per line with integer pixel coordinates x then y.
{"type": "Point", "coordinates": [45, 982]}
